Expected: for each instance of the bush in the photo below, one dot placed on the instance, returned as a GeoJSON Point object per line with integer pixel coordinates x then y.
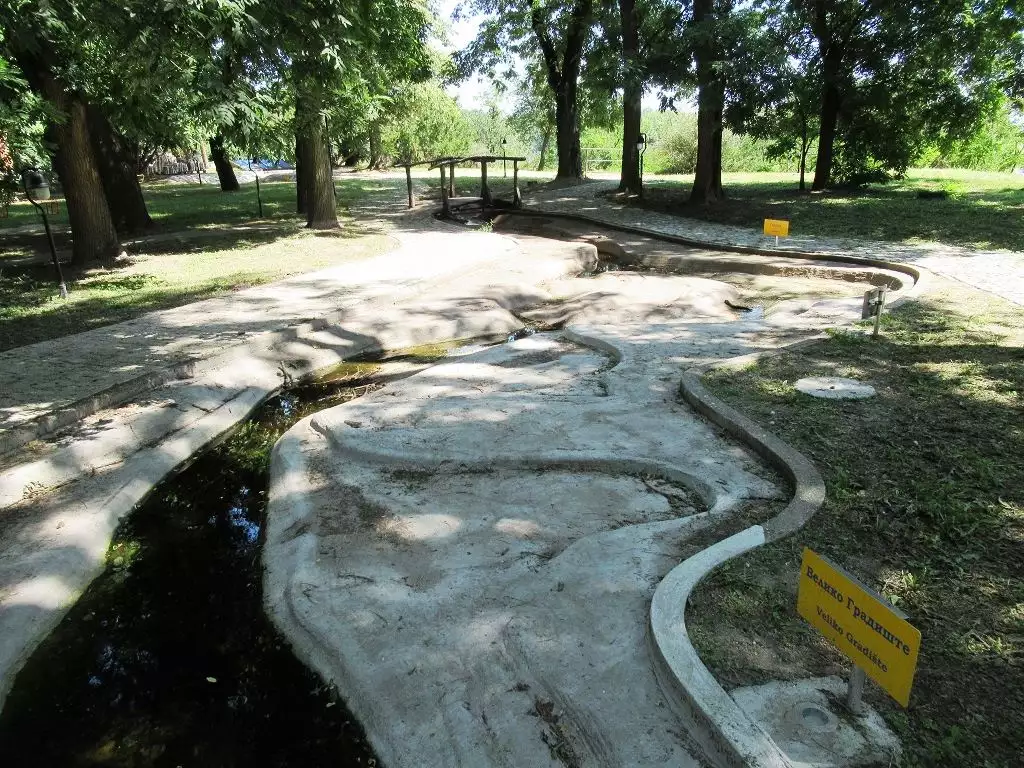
{"type": "Point", "coordinates": [673, 147]}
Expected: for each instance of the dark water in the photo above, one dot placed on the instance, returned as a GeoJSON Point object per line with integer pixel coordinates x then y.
{"type": "Point", "coordinates": [168, 659]}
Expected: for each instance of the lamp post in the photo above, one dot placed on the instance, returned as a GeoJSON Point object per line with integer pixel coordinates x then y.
{"type": "Point", "coordinates": [36, 188]}
{"type": "Point", "coordinates": [504, 163]}
{"type": "Point", "coordinates": [259, 199]}
{"type": "Point", "coordinates": [641, 147]}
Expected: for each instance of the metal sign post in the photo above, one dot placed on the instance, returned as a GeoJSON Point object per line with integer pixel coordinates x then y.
{"type": "Point", "coordinates": [860, 624]}
{"type": "Point", "coordinates": [855, 691]}
{"type": "Point", "coordinates": [874, 301]}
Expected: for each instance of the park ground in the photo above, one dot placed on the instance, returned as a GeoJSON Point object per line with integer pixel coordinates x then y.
{"type": "Point", "coordinates": [924, 500]}
{"type": "Point", "coordinates": [205, 243]}
{"type": "Point", "coordinates": [924, 482]}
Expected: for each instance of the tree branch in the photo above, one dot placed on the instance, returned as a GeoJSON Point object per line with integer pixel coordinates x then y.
{"type": "Point", "coordinates": [546, 46]}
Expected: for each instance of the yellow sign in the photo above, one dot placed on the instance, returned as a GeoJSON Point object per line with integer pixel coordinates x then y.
{"type": "Point", "coordinates": [875, 636]}
{"type": "Point", "coordinates": [776, 227]}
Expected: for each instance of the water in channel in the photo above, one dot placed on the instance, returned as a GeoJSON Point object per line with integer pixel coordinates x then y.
{"type": "Point", "coordinates": [168, 658]}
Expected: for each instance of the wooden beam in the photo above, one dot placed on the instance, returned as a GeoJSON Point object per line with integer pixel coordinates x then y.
{"type": "Point", "coordinates": [485, 193]}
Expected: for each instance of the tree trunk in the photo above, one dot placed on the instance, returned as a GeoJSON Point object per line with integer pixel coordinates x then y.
{"type": "Point", "coordinates": [317, 179]}
{"type": "Point", "coordinates": [302, 161]}
{"type": "Point", "coordinates": [826, 135]}
{"type": "Point", "coordinates": [630, 181]}
{"type": "Point", "coordinates": [376, 147]}
{"type": "Point", "coordinates": [563, 74]}
{"type": "Point", "coordinates": [804, 147]}
{"type": "Point", "coordinates": [225, 171]}
{"type": "Point", "coordinates": [632, 95]}
{"type": "Point", "coordinates": [116, 165]}
{"type": "Point", "coordinates": [92, 227]}
{"type": "Point", "coordinates": [707, 179]}
{"type": "Point", "coordinates": [545, 142]}
{"type": "Point", "coordinates": [567, 132]}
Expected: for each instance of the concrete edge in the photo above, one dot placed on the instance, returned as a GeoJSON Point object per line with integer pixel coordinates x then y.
{"type": "Point", "coordinates": [723, 730]}
{"type": "Point", "coordinates": [726, 734]}
{"type": "Point", "coordinates": [48, 423]}
{"type": "Point", "coordinates": [170, 457]}
{"type": "Point", "coordinates": [906, 269]}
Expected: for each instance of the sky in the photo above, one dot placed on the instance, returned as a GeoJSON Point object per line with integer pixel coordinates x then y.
{"type": "Point", "coordinates": [469, 93]}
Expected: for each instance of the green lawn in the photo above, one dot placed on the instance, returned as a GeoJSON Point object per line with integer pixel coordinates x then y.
{"type": "Point", "coordinates": [182, 206]}
{"type": "Point", "coordinates": [205, 242]}
{"type": "Point", "coordinates": [925, 503]}
{"type": "Point", "coordinates": [983, 210]}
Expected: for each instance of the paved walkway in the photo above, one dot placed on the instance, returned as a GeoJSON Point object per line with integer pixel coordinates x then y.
{"type": "Point", "coordinates": [51, 375]}
{"type": "Point", "coordinates": [47, 380]}
{"type": "Point", "coordinates": [998, 272]}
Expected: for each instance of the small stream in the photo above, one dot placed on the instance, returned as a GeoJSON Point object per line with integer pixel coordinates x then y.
{"type": "Point", "coordinates": [168, 658]}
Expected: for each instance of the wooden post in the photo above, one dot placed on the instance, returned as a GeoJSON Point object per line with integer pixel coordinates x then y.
{"type": "Point", "coordinates": [517, 199]}
{"type": "Point", "coordinates": [485, 193]}
{"type": "Point", "coordinates": [451, 180]}
{"type": "Point", "coordinates": [408, 182]}
{"type": "Point", "coordinates": [445, 209]}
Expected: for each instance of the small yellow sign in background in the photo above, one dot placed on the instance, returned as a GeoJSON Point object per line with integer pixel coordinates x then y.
{"type": "Point", "coordinates": [859, 623]}
{"type": "Point", "coordinates": [776, 227]}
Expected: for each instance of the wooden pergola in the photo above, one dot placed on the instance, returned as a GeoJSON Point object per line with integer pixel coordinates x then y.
{"type": "Point", "coordinates": [448, 192]}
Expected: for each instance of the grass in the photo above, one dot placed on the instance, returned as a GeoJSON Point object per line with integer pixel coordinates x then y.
{"type": "Point", "coordinates": [982, 210]}
{"type": "Point", "coordinates": [206, 243]}
{"type": "Point", "coordinates": [179, 206]}
{"type": "Point", "coordinates": [925, 503]}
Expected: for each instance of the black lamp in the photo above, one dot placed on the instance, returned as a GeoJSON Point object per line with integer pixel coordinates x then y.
{"type": "Point", "coordinates": [36, 186]}
{"type": "Point", "coordinates": [641, 147]}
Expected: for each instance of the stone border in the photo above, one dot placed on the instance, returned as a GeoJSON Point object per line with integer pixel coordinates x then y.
{"type": "Point", "coordinates": [722, 729]}
{"type": "Point", "coordinates": [913, 272]}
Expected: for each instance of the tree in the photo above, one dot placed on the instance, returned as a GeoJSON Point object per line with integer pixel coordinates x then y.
{"type": "Point", "coordinates": [533, 116]}
{"type": "Point", "coordinates": [324, 46]}
{"type": "Point", "coordinates": [37, 41]}
{"type": "Point", "coordinates": [996, 145]}
{"type": "Point", "coordinates": [221, 161]}
{"type": "Point", "coordinates": [655, 50]}
{"type": "Point", "coordinates": [561, 29]}
{"type": "Point", "coordinates": [776, 98]}
{"type": "Point", "coordinates": [425, 122]}
{"type": "Point", "coordinates": [709, 52]}
{"type": "Point", "coordinates": [116, 162]}
{"type": "Point", "coordinates": [632, 98]}
{"type": "Point", "coordinates": [892, 72]}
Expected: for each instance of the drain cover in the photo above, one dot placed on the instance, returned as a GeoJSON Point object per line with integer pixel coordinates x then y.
{"type": "Point", "coordinates": [835, 388]}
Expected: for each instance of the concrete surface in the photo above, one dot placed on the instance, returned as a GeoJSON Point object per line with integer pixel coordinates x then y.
{"type": "Point", "coordinates": [1000, 273]}
{"type": "Point", "coordinates": [834, 388]}
{"type": "Point", "coordinates": [54, 383]}
{"type": "Point", "coordinates": [808, 721]}
{"type": "Point", "coordinates": [626, 477]}
{"type": "Point", "coordinates": [470, 554]}
{"type": "Point", "coordinates": [61, 501]}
